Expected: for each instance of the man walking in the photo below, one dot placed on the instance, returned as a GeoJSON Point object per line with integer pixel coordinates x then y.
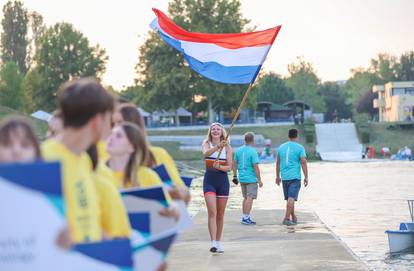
{"type": "Point", "coordinates": [246, 162]}
{"type": "Point", "coordinates": [291, 157]}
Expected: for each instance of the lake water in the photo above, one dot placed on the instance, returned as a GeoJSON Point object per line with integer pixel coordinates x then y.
{"type": "Point", "coordinates": [357, 201]}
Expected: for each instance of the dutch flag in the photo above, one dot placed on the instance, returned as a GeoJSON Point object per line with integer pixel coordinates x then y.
{"type": "Point", "coordinates": [226, 58]}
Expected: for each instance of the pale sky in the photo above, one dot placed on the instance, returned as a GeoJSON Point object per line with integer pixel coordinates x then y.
{"type": "Point", "coordinates": [335, 35]}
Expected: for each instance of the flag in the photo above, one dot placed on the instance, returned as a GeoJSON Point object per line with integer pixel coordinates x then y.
{"type": "Point", "coordinates": [227, 58]}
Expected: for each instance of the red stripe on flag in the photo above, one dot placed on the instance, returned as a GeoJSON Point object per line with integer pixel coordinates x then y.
{"type": "Point", "coordinates": [230, 41]}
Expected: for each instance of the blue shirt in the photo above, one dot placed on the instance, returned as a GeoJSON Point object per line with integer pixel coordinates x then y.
{"type": "Point", "coordinates": [290, 154]}
{"type": "Point", "coordinates": [246, 157]}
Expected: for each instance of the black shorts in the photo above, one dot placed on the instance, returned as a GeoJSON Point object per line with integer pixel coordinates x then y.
{"type": "Point", "coordinates": [217, 183]}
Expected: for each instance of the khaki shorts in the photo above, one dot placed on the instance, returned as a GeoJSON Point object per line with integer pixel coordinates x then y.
{"type": "Point", "coordinates": [249, 190]}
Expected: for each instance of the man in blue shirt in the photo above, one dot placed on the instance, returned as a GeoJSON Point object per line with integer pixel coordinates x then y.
{"type": "Point", "coordinates": [291, 157]}
{"type": "Point", "coordinates": [246, 162]}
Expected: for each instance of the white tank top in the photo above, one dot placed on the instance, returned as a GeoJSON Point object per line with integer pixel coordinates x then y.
{"type": "Point", "coordinates": [223, 154]}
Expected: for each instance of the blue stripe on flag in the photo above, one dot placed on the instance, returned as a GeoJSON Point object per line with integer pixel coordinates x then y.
{"type": "Point", "coordinates": [140, 222]}
{"type": "Point", "coordinates": [163, 245]}
{"type": "Point", "coordinates": [163, 173]}
{"type": "Point", "coordinates": [116, 252]}
{"type": "Point", "coordinates": [39, 176]}
{"type": "Point", "coordinates": [223, 74]}
{"type": "Point", "coordinates": [187, 180]}
{"type": "Point", "coordinates": [154, 193]}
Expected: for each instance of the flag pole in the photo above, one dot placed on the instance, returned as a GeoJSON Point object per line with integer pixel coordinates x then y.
{"type": "Point", "coordinates": [236, 115]}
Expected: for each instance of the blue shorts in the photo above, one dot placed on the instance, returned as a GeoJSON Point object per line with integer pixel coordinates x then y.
{"type": "Point", "coordinates": [291, 189]}
{"type": "Point", "coordinates": [217, 183]}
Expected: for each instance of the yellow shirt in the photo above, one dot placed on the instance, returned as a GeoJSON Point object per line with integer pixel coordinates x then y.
{"type": "Point", "coordinates": [102, 152]}
{"type": "Point", "coordinates": [81, 200]}
{"type": "Point", "coordinates": [162, 157]}
{"type": "Point", "coordinates": [114, 218]}
{"type": "Point", "coordinates": [146, 177]}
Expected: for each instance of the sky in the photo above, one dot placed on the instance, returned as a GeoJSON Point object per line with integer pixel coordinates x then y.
{"type": "Point", "coordinates": [334, 35]}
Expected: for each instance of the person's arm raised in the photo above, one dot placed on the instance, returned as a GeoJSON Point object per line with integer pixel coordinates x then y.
{"type": "Point", "coordinates": [207, 151]}
{"type": "Point", "coordinates": [229, 165]}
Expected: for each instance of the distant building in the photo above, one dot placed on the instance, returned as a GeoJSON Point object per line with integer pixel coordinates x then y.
{"type": "Point", "coordinates": [275, 112]}
{"type": "Point", "coordinates": [395, 101]}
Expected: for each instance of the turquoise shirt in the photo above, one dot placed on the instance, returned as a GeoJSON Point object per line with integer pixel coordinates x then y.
{"type": "Point", "coordinates": [246, 157]}
{"type": "Point", "coordinates": [290, 154]}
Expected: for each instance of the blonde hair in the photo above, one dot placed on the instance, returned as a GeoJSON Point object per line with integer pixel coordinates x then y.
{"type": "Point", "coordinates": [223, 136]}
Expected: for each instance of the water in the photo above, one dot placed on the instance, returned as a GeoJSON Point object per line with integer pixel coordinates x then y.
{"type": "Point", "coordinates": [357, 201]}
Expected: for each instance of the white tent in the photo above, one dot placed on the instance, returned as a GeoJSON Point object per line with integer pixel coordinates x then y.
{"type": "Point", "coordinates": [143, 113]}
{"type": "Point", "coordinates": [41, 115]}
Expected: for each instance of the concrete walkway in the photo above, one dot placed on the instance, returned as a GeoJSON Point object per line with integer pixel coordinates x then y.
{"type": "Point", "coordinates": [266, 246]}
{"type": "Point", "coordinates": [338, 142]}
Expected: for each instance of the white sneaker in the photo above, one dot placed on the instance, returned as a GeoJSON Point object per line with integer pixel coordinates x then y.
{"type": "Point", "coordinates": [220, 249]}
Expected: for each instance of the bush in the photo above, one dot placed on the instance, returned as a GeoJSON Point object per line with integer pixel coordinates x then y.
{"type": "Point", "coordinates": [363, 128]}
{"type": "Point", "coordinates": [309, 131]}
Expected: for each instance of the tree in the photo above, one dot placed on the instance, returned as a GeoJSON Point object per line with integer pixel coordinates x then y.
{"type": "Point", "coordinates": [33, 85]}
{"type": "Point", "coordinates": [305, 84]}
{"type": "Point", "coordinates": [365, 104]}
{"type": "Point", "coordinates": [163, 72]}
{"type": "Point", "coordinates": [272, 88]}
{"type": "Point", "coordinates": [133, 94]}
{"type": "Point", "coordinates": [360, 82]}
{"type": "Point", "coordinates": [14, 38]}
{"type": "Point", "coordinates": [37, 28]}
{"type": "Point", "coordinates": [335, 101]}
{"type": "Point", "coordinates": [64, 53]}
{"type": "Point", "coordinates": [384, 68]}
{"type": "Point", "coordinates": [405, 67]}
{"type": "Point", "coordinates": [11, 86]}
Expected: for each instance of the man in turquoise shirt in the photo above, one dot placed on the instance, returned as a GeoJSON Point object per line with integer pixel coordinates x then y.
{"type": "Point", "coordinates": [291, 157]}
{"type": "Point", "coordinates": [246, 162]}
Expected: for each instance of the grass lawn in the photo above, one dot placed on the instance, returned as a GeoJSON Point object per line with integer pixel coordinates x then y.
{"type": "Point", "coordinates": [278, 135]}
{"type": "Point", "coordinates": [380, 137]}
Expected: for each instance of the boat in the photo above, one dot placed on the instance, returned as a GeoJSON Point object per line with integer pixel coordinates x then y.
{"type": "Point", "coordinates": [402, 239]}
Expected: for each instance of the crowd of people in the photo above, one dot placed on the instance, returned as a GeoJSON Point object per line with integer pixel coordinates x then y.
{"type": "Point", "coordinates": [102, 146]}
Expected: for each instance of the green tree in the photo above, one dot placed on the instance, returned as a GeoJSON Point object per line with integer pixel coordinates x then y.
{"type": "Point", "coordinates": [64, 53]}
{"type": "Point", "coordinates": [33, 86]}
{"type": "Point", "coordinates": [163, 72]}
{"type": "Point", "coordinates": [272, 88]}
{"type": "Point", "coordinates": [11, 86]}
{"type": "Point", "coordinates": [305, 84]}
{"type": "Point", "coordinates": [335, 101]}
{"type": "Point", "coordinates": [360, 82]}
{"type": "Point", "coordinates": [14, 39]}
{"type": "Point", "coordinates": [365, 104]}
{"type": "Point", "coordinates": [37, 28]}
{"type": "Point", "coordinates": [405, 67]}
{"type": "Point", "coordinates": [384, 68]}
{"type": "Point", "coordinates": [133, 94]}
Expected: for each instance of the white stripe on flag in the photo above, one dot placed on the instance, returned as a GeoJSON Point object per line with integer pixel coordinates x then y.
{"type": "Point", "coordinates": [207, 52]}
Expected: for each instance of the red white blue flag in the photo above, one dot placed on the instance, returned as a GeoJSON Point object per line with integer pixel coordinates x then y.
{"type": "Point", "coordinates": [226, 58]}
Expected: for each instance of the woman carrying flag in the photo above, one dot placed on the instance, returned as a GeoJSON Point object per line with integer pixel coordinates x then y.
{"type": "Point", "coordinates": [216, 182]}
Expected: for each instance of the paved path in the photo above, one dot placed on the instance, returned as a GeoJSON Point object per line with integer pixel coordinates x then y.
{"type": "Point", "coordinates": [266, 246]}
{"type": "Point", "coordinates": [338, 142]}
